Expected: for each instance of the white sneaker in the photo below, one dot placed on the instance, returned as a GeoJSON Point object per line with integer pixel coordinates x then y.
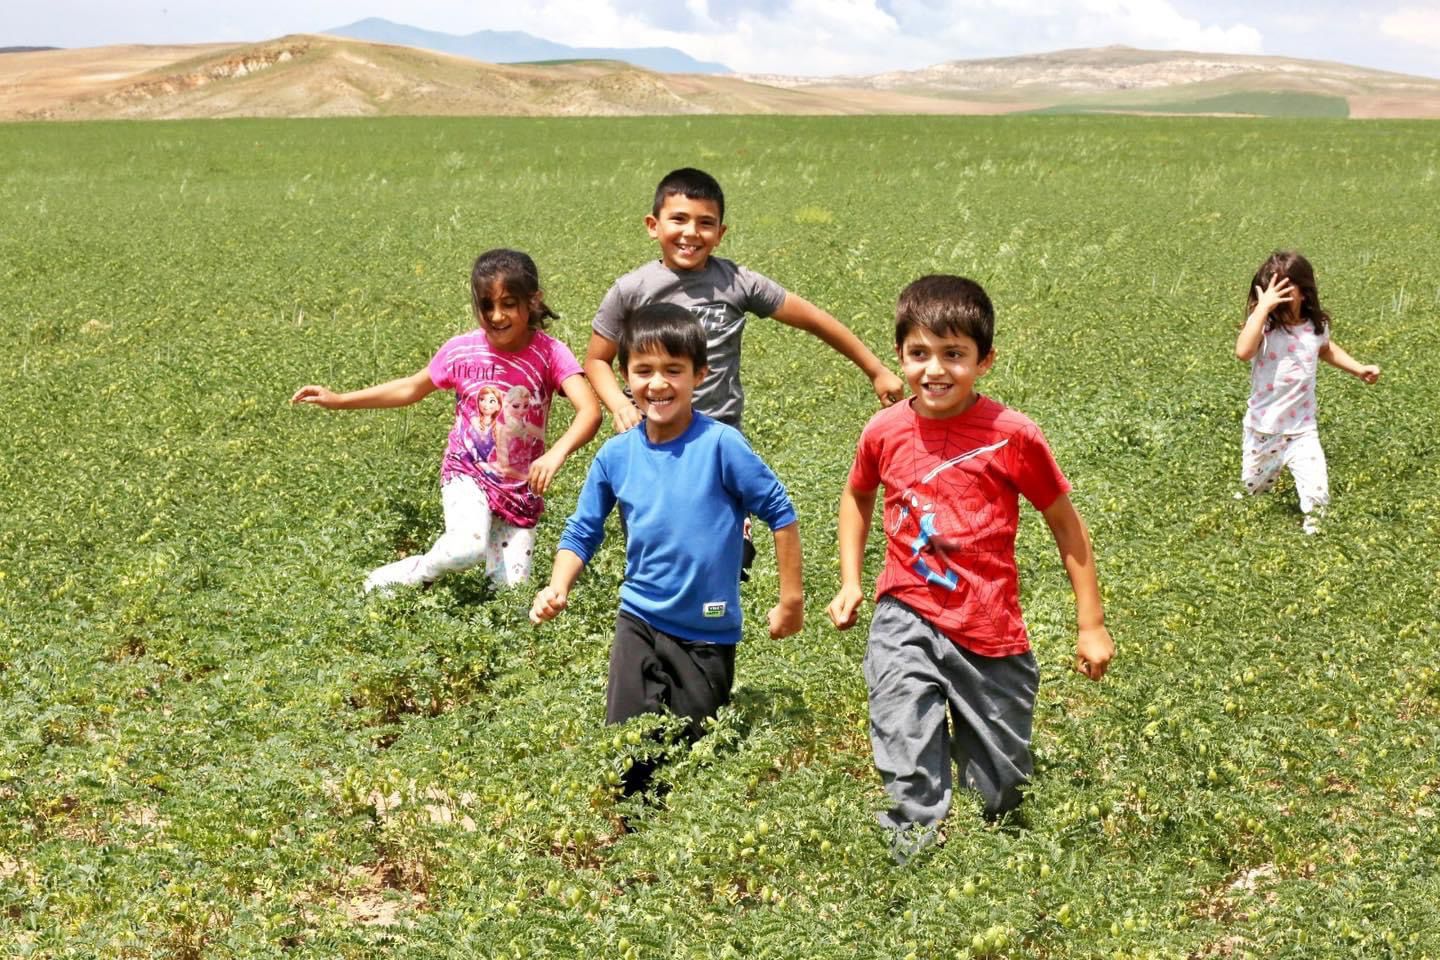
{"type": "Point", "coordinates": [402, 573]}
{"type": "Point", "coordinates": [1311, 525]}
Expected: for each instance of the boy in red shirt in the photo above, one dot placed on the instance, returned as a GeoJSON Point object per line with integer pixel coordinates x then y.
{"type": "Point", "coordinates": [947, 636]}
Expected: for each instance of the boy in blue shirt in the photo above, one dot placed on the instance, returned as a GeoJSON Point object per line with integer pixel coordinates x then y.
{"type": "Point", "coordinates": [684, 484]}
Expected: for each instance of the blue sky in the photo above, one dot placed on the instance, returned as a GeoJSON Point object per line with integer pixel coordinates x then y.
{"type": "Point", "coordinates": [815, 37]}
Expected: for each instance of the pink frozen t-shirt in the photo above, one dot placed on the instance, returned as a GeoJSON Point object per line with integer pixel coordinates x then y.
{"type": "Point", "coordinates": [502, 403]}
{"type": "Point", "coordinates": [1282, 380]}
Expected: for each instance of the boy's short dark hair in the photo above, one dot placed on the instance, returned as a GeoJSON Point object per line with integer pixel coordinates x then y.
{"type": "Point", "coordinates": [692, 183]}
{"type": "Point", "coordinates": [668, 326]}
{"type": "Point", "coordinates": [946, 305]}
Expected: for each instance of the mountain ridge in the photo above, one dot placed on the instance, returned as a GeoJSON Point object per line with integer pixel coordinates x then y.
{"type": "Point", "coordinates": [306, 75]}
{"type": "Point", "coordinates": [514, 46]}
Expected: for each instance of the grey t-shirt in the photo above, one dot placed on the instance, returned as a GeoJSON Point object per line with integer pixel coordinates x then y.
{"type": "Point", "coordinates": [719, 295]}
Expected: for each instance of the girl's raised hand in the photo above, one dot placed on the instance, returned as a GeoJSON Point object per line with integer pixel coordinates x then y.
{"type": "Point", "coordinates": [1280, 290]}
{"type": "Point", "coordinates": [311, 393]}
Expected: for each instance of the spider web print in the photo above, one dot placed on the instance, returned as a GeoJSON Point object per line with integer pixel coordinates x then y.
{"type": "Point", "coordinates": [953, 527]}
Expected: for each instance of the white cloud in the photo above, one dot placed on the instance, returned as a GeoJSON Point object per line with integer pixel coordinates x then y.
{"type": "Point", "coordinates": [1419, 25]}
{"type": "Point", "coordinates": [870, 36]}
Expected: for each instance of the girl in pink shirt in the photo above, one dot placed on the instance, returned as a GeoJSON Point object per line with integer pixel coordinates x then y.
{"type": "Point", "coordinates": [1284, 337]}
{"type": "Point", "coordinates": [496, 467]}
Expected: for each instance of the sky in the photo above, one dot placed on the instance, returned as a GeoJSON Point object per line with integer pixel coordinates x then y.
{"type": "Point", "coordinates": [800, 37]}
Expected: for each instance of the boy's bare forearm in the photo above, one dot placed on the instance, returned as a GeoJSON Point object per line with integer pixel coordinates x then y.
{"type": "Point", "coordinates": [789, 563]}
{"type": "Point", "coordinates": [803, 315]}
{"type": "Point", "coordinates": [602, 377]}
{"type": "Point", "coordinates": [856, 510]}
{"type": "Point", "coordinates": [1073, 542]}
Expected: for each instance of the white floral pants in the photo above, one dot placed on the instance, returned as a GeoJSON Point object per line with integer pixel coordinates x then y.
{"type": "Point", "coordinates": [472, 537]}
{"type": "Point", "coordinates": [1265, 454]}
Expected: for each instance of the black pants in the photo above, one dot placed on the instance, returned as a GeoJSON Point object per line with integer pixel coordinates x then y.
{"type": "Point", "coordinates": [653, 672]}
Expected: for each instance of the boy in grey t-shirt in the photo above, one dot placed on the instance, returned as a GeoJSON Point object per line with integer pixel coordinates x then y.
{"type": "Point", "coordinates": [688, 220]}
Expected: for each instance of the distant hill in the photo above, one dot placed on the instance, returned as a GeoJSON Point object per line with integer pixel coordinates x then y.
{"type": "Point", "coordinates": [1126, 80]}
{"type": "Point", "coordinates": [510, 46]}
{"type": "Point", "coordinates": [314, 76]}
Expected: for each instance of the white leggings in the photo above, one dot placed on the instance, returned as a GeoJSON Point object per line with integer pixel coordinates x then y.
{"type": "Point", "coordinates": [471, 537]}
{"type": "Point", "coordinates": [1264, 454]}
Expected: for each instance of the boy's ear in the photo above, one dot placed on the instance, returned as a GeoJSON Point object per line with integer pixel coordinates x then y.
{"type": "Point", "coordinates": [652, 226]}
{"type": "Point", "coordinates": [701, 374]}
{"type": "Point", "coordinates": [983, 367]}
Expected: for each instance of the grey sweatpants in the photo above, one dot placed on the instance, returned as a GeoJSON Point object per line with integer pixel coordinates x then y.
{"type": "Point", "coordinates": [918, 679]}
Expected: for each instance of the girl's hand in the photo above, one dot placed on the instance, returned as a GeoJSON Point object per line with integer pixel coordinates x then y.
{"type": "Point", "coordinates": [844, 610]}
{"type": "Point", "coordinates": [1280, 290]}
{"type": "Point", "coordinates": [543, 469]}
{"type": "Point", "coordinates": [1369, 373]}
{"type": "Point", "coordinates": [1093, 652]}
{"type": "Point", "coordinates": [320, 396]}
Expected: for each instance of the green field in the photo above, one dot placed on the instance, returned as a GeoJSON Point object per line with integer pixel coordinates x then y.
{"type": "Point", "coordinates": [212, 746]}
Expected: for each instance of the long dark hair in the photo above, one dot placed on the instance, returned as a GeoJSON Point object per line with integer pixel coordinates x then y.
{"type": "Point", "coordinates": [1293, 266]}
{"type": "Point", "coordinates": [518, 274]}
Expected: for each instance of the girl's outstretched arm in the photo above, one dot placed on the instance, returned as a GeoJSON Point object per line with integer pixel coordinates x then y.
{"type": "Point", "coordinates": [393, 393]}
{"type": "Point", "coordinates": [1335, 355]}
{"type": "Point", "coordinates": [581, 430]}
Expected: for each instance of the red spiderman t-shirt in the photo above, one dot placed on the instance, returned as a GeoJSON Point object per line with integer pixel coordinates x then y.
{"type": "Point", "coordinates": [952, 505]}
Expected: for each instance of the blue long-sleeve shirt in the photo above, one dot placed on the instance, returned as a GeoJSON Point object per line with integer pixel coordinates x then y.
{"type": "Point", "coordinates": [684, 505]}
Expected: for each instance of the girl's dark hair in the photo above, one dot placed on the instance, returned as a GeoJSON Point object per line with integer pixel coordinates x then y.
{"type": "Point", "coordinates": [1294, 267]}
{"type": "Point", "coordinates": [668, 326]}
{"type": "Point", "coordinates": [518, 274]}
{"type": "Point", "coordinates": [946, 305]}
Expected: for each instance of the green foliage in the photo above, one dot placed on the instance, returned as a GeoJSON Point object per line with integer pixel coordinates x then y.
{"type": "Point", "coordinates": [1255, 103]}
{"type": "Point", "coordinates": [212, 745]}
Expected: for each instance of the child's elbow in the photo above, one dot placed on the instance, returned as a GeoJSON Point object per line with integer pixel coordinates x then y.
{"type": "Point", "coordinates": [1244, 353]}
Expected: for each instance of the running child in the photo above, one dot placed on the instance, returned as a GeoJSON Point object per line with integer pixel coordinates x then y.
{"type": "Point", "coordinates": [496, 468]}
{"type": "Point", "coordinates": [687, 219]}
{"type": "Point", "coordinates": [684, 484]}
{"type": "Point", "coordinates": [947, 641]}
{"type": "Point", "coordinates": [1284, 337]}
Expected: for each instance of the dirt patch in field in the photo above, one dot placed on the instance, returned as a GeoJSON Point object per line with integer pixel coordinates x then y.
{"type": "Point", "coordinates": [1395, 108]}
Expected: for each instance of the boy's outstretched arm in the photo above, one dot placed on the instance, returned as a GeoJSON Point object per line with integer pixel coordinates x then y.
{"type": "Point", "coordinates": [801, 314]}
{"type": "Point", "coordinates": [1094, 648]}
{"type": "Point", "coordinates": [580, 432]}
{"type": "Point", "coordinates": [555, 596]}
{"type": "Point", "coordinates": [788, 614]}
{"type": "Point", "coordinates": [1335, 355]}
{"type": "Point", "coordinates": [599, 357]}
{"type": "Point", "coordinates": [400, 392]}
{"type": "Point", "coordinates": [856, 509]}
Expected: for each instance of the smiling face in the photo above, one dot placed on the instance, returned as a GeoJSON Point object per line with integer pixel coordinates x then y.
{"type": "Point", "coordinates": [505, 318]}
{"type": "Point", "coordinates": [942, 370]}
{"type": "Point", "coordinates": [688, 231]}
{"type": "Point", "coordinates": [664, 387]}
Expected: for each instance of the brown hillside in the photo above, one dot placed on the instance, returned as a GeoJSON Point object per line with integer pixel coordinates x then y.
{"type": "Point", "coordinates": [311, 76]}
